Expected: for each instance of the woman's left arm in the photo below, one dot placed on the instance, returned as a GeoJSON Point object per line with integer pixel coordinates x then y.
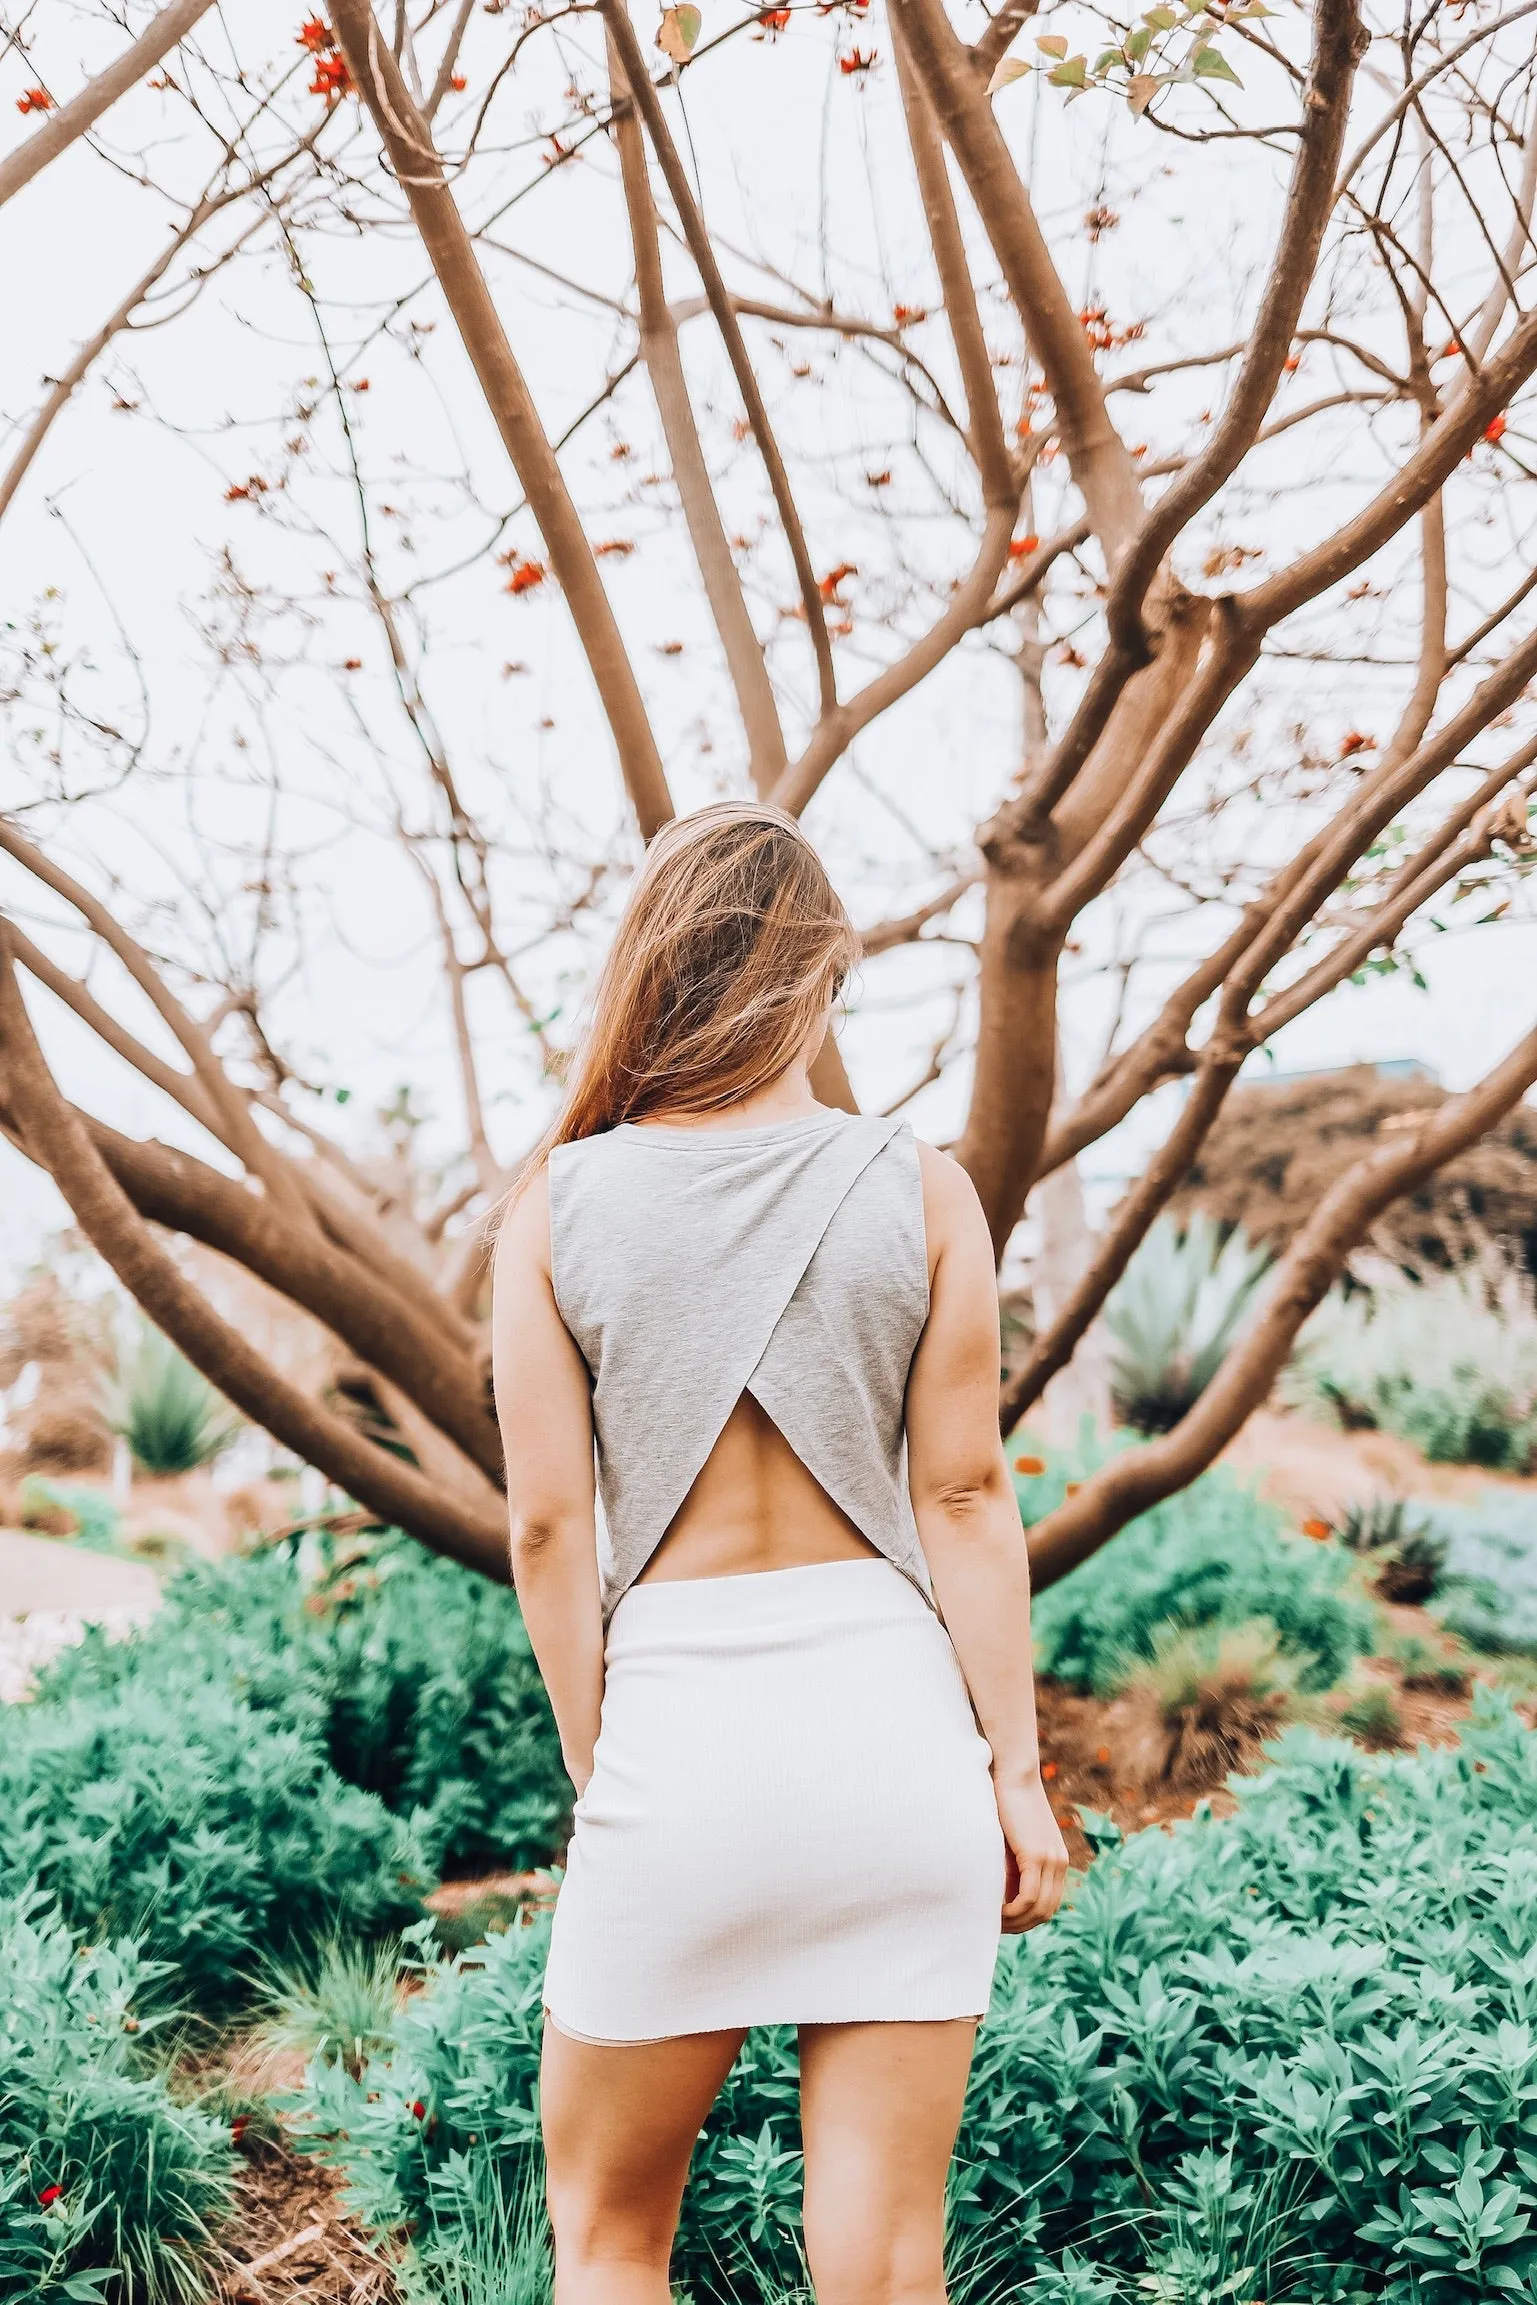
{"type": "Point", "coordinates": [544, 1405]}
{"type": "Point", "coordinates": [968, 1519]}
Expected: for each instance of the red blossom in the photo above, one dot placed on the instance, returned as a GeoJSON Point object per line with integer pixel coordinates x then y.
{"type": "Point", "coordinates": [1494, 430]}
{"type": "Point", "coordinates": [828, 587]}
{"type": "Point", "coordinates": [49, 2195]}
{"type": "Point", "coordinates": [907, 315]}
{"type": "Point", "coordinates": [1022, 546]}
{"type": "Point", "coordinates": [35, 100]}
{"type": "Point", "coordinates": [617, 547]}
{"type": "Point", "coordinates": [1317, 1529]}
{"type": "Point", "coordinates": [332, 78]}
{"type": "Point", "coordinates": [457, 82]}
{"type": "Point", "coordinates": [1356, 740]}
{"type": "Point", "coordinates": [238, 2127]}
{"type": "Point", "coordinates": [878, 479]}
{"type": "Point", "coordinates": [526, 575]}
{"type": "Point", "coordinates": [1292, 363]}
{"type": "Point", "coordinates": [857, 61]}
{"type": "Point", "coordinates": [774, 20]}
{"type": "Point", "coordinates": [316, 36]}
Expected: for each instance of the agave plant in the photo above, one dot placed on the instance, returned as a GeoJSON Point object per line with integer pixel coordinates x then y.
{"type": "Point", "coordinates": [172, 1418]}
{"type": "Point", "coordinates": [1180, 1304]}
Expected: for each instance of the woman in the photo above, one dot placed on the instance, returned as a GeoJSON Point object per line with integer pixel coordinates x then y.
{"type": "Point", "coordinates": [791, 1672]}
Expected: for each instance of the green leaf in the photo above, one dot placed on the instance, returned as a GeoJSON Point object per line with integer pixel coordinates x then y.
{"type": "Point", "coordinates": [1161, 19]}
{"type": "Point", "coordinates": [1211, 64]}
{"type": "Point", "coordinates": [1106, 60]}
{"type": "Point", "coordinates": [1073, 72]}
{"type": "Point", "coordinates": [1138, 43]}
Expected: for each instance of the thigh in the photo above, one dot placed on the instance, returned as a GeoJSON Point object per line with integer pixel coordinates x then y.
{"type": "Point", "coordinates": [620, 2123]}
{"type": "Point", "coordinates": [880, 2107]}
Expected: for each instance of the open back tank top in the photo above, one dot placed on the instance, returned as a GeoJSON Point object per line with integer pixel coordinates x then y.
{"type": "Point", "coordinates": [789, 1262]}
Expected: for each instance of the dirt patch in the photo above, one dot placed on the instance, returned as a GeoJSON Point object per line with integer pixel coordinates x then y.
{"type": "Point", "coordinates": [290, 2238]}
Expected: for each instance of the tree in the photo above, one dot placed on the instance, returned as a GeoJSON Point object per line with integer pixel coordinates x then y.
{"type": "Point", "coordinates": [1391, 169]}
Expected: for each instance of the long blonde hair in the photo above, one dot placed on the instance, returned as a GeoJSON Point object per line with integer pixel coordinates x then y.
{"type": "Point", "coordinates": [728, 952]}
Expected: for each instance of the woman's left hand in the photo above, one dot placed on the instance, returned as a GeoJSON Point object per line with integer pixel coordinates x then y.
{"type": "Point", "coordinates": [1037, 1854]}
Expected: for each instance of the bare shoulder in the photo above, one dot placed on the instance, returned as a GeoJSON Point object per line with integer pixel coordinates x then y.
{"type": "Point", "coordinates": [952, 1213]}
{"type": "Point", "coordinates": [523, 1237]}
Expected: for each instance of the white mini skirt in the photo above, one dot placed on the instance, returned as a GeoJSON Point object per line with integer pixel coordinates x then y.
{"type": "Point", "coordinates": [790, 1819]}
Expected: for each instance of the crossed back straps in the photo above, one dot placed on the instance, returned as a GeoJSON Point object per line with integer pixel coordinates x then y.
{"type": "Point", "coordinates": [693, 1265]}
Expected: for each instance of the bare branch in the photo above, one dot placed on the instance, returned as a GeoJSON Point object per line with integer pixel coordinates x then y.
{"type": "Point", "coordinates": [63, 127]}
{"type": "Point", "coordinates": [1129, 1483]}
{"type": "Point", "coordinates": [696, 492]}
{"type": "Point", "coordinates": [643, 90]}
{"type": "Point", "coordinates": [412, 154]}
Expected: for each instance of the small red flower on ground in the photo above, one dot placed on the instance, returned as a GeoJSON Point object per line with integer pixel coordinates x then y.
{"type": "Point", "coordinates": [418, 2110]}
{"type": "Point", "coordinates": [1317, 1529]}
{"type": "Point", "coordinates": [238, 2127]}
{"type": "Point", "coordinates": [1102, 1755]}
{"type": "Point", "coordinates": [49, 2195]}
{"type": "Point", "coordinates": [1030, 1465]}
{"type": "Point", "coordinates": [1048, 1770]}
{"type": "Point", "coordinates": [35, 100]}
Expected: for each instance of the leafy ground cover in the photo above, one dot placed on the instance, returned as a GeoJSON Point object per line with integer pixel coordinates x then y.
{"type": "Point", "coordinates": [1217, 1554]}
{"type": "Point", "coordinates": [1292, 2051]}
{"type": "Point", "coordinates": [1449, 1364]}
{"type": "Point", "coordinates": [415, 1674]}
{"type": "Point", "coordinates": [102, 2172]}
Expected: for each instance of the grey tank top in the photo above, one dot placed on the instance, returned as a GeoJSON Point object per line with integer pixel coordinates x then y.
{"type": "Point", "coordinates": [789, 1262]}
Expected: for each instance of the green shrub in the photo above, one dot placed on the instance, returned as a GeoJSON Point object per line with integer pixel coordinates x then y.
{"type": "Point", "coordinates": [1173, 1314]}
{"type": "Point", "coordinates": [1216, 1554]}
{"type": "Point", "coordinates": [416, 1674]}
{"type": "Point", "coordinates": [109, 2189]}
{"type": "Point", "coordinates": [1297, 2045]}
{"type": "Point", "coordinates": [209, 1830]}
{"type": "Point", "coordinates": [172, 1418]}
{"type": "Point", "coordinates": [1487, 1588]}
{"type": "Point", "coordinates": [1446, 1364]}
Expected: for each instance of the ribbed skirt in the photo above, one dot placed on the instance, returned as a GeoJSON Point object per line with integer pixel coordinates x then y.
{"type": "Point", "coordinates": [790, 1818]}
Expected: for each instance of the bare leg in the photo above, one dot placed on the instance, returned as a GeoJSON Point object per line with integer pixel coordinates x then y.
{"type": "Point", "coordinates": [880, 2106]}
{"type": "Point", "coordinates": [619, 2127]}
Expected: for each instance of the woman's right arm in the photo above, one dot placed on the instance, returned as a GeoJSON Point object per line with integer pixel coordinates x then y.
{"type": "Point", "coordinates": [544, 1405]}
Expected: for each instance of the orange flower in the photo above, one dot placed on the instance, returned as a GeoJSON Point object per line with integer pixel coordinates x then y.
{"type": "Point", "coordinates": [857, 61]}
{"type": "Point", "coordinates": [1024, 545]}
{"type": "Point", "coordinates": [828, 587]}
{"type": "Point", "coordinates": [35, 100]}
{"type": "Point", "coordinates": [457, 82]}
{"type": "Point", "coordinates": [1030, 1465]}
{"type": "Point", "coordinates": [1317, 1529]}
{"type": "Point", "coordinates": [526, 574]}
{"type": "Point", "coordinates": [316, 36]}
{"type": "Point", "coordinates": [1048, 1771]}
{"type": "Point", "coordinates": [774, 20]}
